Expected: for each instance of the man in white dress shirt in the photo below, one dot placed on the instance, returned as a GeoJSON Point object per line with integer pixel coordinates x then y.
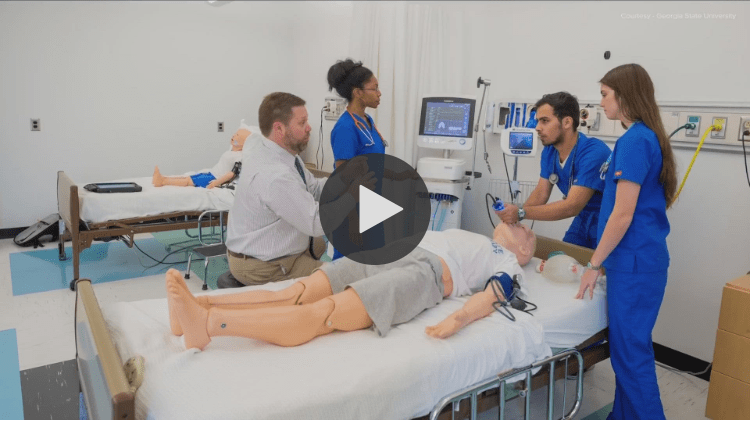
{"type": "Point", "coordinates": [274, 226]}
{"type": "Point", "coordinates": [275, 212]}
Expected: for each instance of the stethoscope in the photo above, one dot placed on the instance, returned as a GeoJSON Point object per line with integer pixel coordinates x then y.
{"type": "Point", "coordinates": [554, 178]}
{"type": "Point", "coordinates": [366, 131]}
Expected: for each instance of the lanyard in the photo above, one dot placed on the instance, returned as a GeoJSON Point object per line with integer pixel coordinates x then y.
{"type": "Point", "coordinates": [605, 167]}
{"type": "Point", "coordinates": [366, 131]}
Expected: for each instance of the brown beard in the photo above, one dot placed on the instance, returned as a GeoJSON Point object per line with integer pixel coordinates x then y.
{"type": "Point", "coordinates": [297, 147]}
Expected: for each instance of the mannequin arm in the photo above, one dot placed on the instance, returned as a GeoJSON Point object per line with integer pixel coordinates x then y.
{"type": "Point", "coordinates": [477, 307]}
{"type": "Point", "coordinates": [221, 180]}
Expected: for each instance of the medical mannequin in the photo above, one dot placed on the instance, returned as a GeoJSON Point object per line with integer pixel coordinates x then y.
{"type": "Point", "coordinates": [310, 308]}
{"type": "Point", "coordinates": [221, 173]}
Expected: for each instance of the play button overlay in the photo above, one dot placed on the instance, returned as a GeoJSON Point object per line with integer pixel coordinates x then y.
{"type": "Point", "coordinates": [375, 209]}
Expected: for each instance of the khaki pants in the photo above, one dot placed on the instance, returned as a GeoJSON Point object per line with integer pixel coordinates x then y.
{"type": "Point", "coordinates": [252, 271]}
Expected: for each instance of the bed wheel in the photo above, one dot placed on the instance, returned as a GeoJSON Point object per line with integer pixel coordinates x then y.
{"type": "Point", "coordinates": [73, 284]}
{"type": "Point", "coordinates": [204, 287]}
{"type": "Point", "coordinates": [187, 275]}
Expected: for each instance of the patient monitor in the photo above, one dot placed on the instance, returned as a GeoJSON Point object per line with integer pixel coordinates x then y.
{"type": "Point", "coordinates": [446, 122]}
{"type": "Point", "coordinates": [519, 141]}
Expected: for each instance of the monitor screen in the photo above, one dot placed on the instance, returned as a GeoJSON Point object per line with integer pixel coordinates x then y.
{"type": "Point", "coordinates": [447, 117]}
{"type": "Point", "coordinates": [521, 140]}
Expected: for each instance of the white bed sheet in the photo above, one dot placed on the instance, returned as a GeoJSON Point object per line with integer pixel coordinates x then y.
{"type": "Point", "coordinates": [345, 375]}
{"type": "Point", "coordinates": [567, 322]}
{"type": "Point", "coordinates": [101, 207]}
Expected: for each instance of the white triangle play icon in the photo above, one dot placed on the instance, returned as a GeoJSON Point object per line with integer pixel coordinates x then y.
{"type": "Point", "coordinates": [374, 209]}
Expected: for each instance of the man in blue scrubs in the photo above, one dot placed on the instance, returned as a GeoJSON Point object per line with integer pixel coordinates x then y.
{"type": "Point", "coordinates": [570, 160]}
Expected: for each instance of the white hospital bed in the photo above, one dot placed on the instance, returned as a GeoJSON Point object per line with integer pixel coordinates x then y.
{"type": "Point", "coordinates": [343, 375]}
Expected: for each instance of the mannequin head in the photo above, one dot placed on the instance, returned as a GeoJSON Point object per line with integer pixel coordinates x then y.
{"type": "Point", "coordinates": [518, 238]}
{"type": "Point", "coordinates": [238, 139]}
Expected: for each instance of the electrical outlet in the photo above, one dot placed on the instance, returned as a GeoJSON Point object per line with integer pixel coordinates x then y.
{"type": "Point", "coordinates": [744, 135]}
{"type": "Point", "coordinates": [720, 134]}
{"type": "Point", "coordinates": [696, 120]}
{"type": "Point", "coordinates": [36, 125]}
{"type": "Point", "coordinates": [221, 126]}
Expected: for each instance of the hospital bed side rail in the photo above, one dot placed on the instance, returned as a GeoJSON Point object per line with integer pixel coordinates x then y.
{"type": "Point", "coordinates": [472, 392]}
{"type": "Point", "coordinates": [106, 391]}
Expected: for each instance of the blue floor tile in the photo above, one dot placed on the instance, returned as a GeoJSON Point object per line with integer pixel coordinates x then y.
{"type": "Point", "coordinates": [11, 401]}
{"type": "Point", "coordinates": [41, 270]}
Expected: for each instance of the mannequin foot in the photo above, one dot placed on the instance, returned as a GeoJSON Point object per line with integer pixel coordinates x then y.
{"type": "Point", "coordinates": [175, 277]}
{"type": "Point", "coordinates": [157, 180]}
{"type": "Point", "coordinates": [192, 316]}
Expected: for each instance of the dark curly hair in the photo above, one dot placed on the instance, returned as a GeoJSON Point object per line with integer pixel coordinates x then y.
{"type": "Point", "coordinates": [346, 75]}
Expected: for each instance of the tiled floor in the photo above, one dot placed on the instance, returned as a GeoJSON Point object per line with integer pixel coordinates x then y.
{"type": "Point", "coordinates": [43, 323]}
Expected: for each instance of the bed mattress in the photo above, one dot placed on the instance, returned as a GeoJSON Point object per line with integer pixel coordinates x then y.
{"type": "Point", "coordinates": [101, 207]}
{"type": "Point", "coordinates": [349, 375]}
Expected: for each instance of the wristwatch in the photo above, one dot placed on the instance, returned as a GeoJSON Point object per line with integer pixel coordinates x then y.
{"type": "Point", "coordinates": [521, 214]}
{"type": "Point", "coordinates": [592, 267]}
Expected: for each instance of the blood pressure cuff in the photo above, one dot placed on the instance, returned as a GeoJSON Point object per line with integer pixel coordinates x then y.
{"type": "Point", "coordinates": [506, 282]}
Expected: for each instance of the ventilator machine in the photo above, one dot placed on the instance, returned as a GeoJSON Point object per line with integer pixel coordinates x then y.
{"type": "Point", "coordinates": [446, 123]}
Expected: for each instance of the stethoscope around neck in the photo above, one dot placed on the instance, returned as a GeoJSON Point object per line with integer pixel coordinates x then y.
{"type": "Point", "coordinates": [554, 178]}
{"type": "Point", "coordinates": [366, 131]}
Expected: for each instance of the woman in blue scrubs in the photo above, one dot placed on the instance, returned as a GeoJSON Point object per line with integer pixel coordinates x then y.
{"type": "Point", "coordinates": [355, 133]}
{"type": "Point", "coordinates": [640, 184]}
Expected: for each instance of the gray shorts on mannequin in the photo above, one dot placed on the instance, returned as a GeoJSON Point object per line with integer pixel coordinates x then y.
{"type": "Point", "coordinates": [393, 293]}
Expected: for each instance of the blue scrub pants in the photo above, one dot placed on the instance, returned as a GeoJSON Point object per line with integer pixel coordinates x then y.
{"type": "Point", "coordinates": [633, 301]}
{"type": "Point", "coordinates": [583, 230]}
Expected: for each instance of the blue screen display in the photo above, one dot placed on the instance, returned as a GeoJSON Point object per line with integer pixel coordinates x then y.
{"type": "Point", "coordinates": [447, 119]}
{"type": "Point", "coordinates": [521, 140]}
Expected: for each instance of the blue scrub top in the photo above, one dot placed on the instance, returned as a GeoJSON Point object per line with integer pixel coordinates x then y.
{"type": "Point", "coordinates": [348, 141]}
{"type": "Point", "coordinates": [637, 158]}
{"type": "Point", "coordinates": [583, 164]}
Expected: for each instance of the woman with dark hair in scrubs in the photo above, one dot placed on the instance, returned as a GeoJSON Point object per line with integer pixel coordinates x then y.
{"type": "Point", "coordinates": [355, 133]}
{"type": "Point", "coordinates": [640, 183]}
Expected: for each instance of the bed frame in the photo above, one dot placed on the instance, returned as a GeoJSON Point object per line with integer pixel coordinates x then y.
{"type": "Point", "coordinates": [82, 234]}
{"type": "Point", "coordinates": [107, 394]}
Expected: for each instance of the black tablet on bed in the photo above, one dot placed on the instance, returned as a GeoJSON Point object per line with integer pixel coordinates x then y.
{"type": "Point", "coordinates": [113, 187]}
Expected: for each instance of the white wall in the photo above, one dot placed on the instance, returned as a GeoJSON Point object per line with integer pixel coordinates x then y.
{"type": "Point", "coordinates": [123, 86]}
{"type": "Point", "coordinates": [321, 37]}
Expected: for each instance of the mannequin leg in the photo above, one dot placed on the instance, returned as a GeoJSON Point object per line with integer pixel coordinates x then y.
{"type": "Point", "coordinates": [159, 180]}
{"type": "Point", "coordinates": [285, 326]}
{"type": "Point", "coordinates": [306, 290]}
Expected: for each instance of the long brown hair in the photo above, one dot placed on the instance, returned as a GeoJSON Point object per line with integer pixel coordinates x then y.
{"type": "Point", "coordinates": [634, 91]}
